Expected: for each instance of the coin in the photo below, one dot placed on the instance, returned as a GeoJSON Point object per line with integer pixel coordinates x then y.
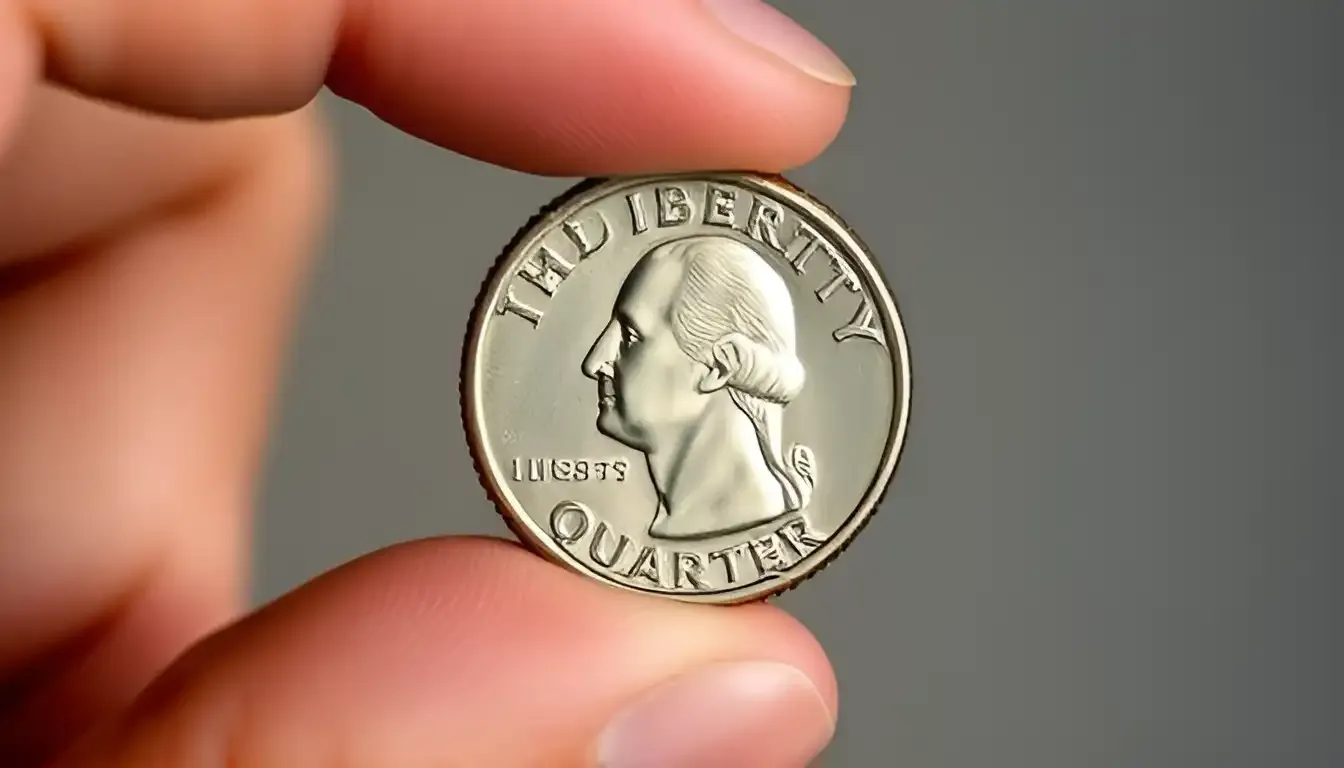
{"type": "Point", "coordinates": [692, 385]}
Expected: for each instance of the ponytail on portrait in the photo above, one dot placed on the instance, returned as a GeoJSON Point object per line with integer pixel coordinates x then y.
{"type": "Point", "coordinates": [724, 315]}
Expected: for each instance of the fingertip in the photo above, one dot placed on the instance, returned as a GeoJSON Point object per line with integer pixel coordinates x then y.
{"type": "Point", "coordinates": [765, 26]}
{"type": "Point", "coordinates": [554, 87]}
{"type": "Point", "coordinates": [477, 651]}
{"type": "Point", "coordinates": [593, 87]}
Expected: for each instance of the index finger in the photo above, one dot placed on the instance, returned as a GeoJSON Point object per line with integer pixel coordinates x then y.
{"type": "Point", "coordinates": [720, 83]}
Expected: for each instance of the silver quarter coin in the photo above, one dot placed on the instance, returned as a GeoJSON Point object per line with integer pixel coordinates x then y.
{"type": "Point", "coordinates": [690, 385]}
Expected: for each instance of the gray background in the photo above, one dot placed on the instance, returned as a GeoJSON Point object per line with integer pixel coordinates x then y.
{"type": "Point", "coordinates": [1115, 230]}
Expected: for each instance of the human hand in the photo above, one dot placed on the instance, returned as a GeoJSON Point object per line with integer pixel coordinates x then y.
{"type": "Point", "coordinates": [148, 264]}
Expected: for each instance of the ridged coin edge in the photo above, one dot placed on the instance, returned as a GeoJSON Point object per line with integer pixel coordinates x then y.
{"type": "Point", "coordinates": [476, 327]}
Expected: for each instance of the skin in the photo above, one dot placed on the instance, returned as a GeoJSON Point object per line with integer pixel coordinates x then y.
{"type": "Point", "coordinates": [149, 264]}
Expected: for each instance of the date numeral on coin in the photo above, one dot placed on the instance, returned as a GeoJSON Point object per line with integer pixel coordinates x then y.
{"type": "Point", "coordinates": [545, 470]}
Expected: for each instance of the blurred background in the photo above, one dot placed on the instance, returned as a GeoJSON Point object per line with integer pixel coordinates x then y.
{"type": "Point", "coordinates": [1116, 233]}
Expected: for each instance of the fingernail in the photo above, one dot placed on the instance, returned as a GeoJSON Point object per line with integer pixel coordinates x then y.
{"type": "Point", "coordinates": [730, 716]}
{"type": "Point", "coordinates": [764, 26]}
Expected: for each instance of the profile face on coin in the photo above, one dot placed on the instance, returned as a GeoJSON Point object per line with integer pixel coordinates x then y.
{"type": "Point", "coordinates": [694, 370]}
{"type": "Point", "coordinates": [692, 385]}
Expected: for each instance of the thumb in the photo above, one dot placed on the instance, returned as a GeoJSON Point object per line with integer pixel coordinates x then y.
{"type": "Point", "coordinates": [473, 652]}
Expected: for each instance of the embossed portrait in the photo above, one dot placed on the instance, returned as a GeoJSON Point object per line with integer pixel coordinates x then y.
{"type": "Point", "coordinates": [694, 370]}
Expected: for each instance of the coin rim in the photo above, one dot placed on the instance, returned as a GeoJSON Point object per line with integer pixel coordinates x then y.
{"type": "Point", "coordinates": [576, 198]}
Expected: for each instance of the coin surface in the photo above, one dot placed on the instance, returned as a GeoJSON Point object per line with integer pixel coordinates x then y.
{"type": "Point", "coordinates": [690, 385]}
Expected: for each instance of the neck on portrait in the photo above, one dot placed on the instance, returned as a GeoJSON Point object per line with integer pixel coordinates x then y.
{"type": "Point", "coordinates": [712, 478]}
